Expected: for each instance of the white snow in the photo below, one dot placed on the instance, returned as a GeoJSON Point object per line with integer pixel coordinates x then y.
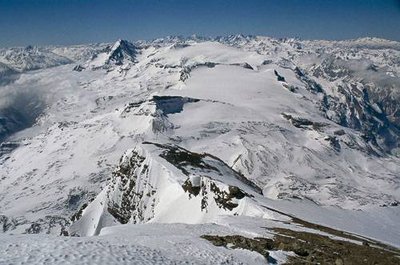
{"type": "Point", "coordinates": [132, 244]}
{"type": "Point", "coordinates": [94, 117]}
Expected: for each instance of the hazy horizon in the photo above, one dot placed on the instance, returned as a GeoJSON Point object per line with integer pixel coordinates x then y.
{"type": "Point", "coordinates": [188, 36]}
{"type": "Point", "coordinates": [62, 22]}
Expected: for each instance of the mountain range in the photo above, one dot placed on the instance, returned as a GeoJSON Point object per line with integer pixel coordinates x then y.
{"type": "Point", "coordinates": [227, 145]}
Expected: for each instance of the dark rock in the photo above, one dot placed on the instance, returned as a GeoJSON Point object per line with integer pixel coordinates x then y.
{"type": "Point", "coordinates": [303, 123]}
{"type": "Point", "coordinates": [188, 187]}
{"type": "Point", "coordinates": [339, 132]}
{"type": "Point", "coordinates": [79, 68]}
{"type": "Point", "coordinates": [266, 62]}
{"type": "Point", "coordinates": [172, 104]}
{"type": "Point", "coordinates": [260, 245]}
{"type": "Point", "coordinates": [185, 72]}
{"type": "Point", "coordinates": [334, 142]}
{"type": "Point", "coordinates": [123, 50]}
{"type": "Point", "coordinates": [279, 77]}
{"type": "Point", "coordinates": [7, 223]}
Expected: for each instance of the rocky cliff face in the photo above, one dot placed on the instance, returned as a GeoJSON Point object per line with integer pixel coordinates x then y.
{"type": "Point", "coordinates": [166, 183]}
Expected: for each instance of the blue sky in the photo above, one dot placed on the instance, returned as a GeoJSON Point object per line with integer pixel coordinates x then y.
{"type": "Point", "coordinates": [40, 22]}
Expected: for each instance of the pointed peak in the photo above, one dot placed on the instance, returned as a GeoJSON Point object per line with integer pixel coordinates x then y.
{"type": "Point", "coordinates": [29, 48]}
{"type": "Point", "coordinates": [121, 50]}
{"type": "Point", "coordinates": [122, 44]}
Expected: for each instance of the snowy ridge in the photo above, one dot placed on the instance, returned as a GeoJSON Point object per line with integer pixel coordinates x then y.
{"type": "Point", "coordinates": [189, 188]}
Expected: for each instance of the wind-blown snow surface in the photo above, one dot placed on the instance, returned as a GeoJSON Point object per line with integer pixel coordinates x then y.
{"type": "Point", "coordinates": [288, 123]}
{"type": "Point", "coordinates": [132, 244]}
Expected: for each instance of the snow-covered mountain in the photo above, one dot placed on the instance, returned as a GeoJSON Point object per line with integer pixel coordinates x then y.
{"type": "Point", "coordinates": [241, 131]}
{"type": "Point", "coordinates": [31, 58]}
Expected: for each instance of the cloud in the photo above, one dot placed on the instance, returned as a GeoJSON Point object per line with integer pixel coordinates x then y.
{"type": "Point", "coordinates": [19, 109]}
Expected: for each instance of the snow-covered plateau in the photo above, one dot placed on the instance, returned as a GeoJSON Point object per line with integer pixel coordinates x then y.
{"type": "Point", "coordinates": [228, 150]}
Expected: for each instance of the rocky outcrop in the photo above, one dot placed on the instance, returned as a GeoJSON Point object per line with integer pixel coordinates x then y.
{"type": "Point", "coordinates": [279, 77]}
{"type": "Point", "coordinates": [133, 192]}
{"type": "Point", "coordinates": [304, 123]}
{"type": "Point", "coordinates": [79, 68]}
{"type": "Point", "coordinates": [168, 183]}
{"type": "Point", "coordinates": [171, 104]}
{"type": "Point", "coordinates": [186, 70]}
{"type": "Point", "coordinates": [125, 196]}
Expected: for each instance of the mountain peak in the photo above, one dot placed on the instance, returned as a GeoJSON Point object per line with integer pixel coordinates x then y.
{"type": "Point", "coordinates": [121, 50]}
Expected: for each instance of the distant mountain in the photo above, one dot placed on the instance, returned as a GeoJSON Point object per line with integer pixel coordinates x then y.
{"type": "Point", "coordinates": [118, 54]}
{"type": "Point", "coordinates": [30, 58]}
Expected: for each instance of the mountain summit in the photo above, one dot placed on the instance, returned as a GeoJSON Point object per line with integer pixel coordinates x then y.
{"type": "Point", "coordinates": [121, 50]}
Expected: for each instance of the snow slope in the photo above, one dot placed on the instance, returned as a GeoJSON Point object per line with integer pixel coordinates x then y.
{"type": "Point", "coordinates": [152, 244]}
{"type": "Point", "coordinates": [193, 130]}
